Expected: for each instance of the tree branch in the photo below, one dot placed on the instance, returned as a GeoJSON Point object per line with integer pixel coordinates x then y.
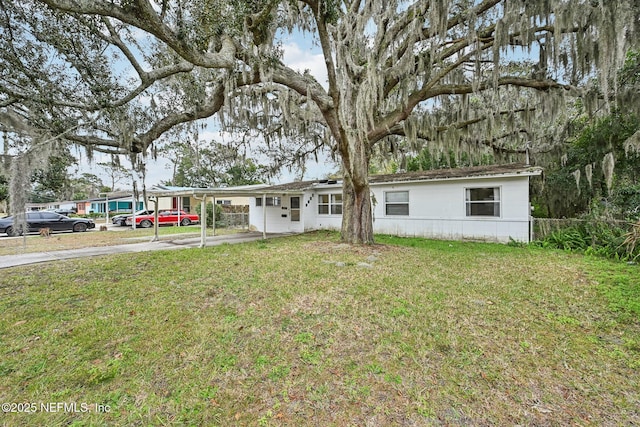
{"type": "Point", "coordinates": [141, 14]}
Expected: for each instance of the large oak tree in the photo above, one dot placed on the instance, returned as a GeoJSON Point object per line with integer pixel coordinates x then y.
{"type": "Point", "coordinates": [445, 71]}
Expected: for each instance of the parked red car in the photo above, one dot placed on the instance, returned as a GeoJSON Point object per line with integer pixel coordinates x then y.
{"type": "Point", "coordinates": [165, 218]}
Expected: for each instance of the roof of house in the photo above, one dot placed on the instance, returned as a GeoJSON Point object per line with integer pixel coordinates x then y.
{"type": "Point", "coordinates": [300, 186]}
{"type": "Point", "coordinates": [430, 175]}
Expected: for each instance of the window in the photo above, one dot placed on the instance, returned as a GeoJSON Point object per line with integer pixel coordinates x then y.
{"type": "Point", "coordinates": [336, 204]}
{"type": "Point", "coordinates": [323, 204]}
{"type": "Point", "coordinates": [271, 201]}
{"type": "Point", "coordinates": [228, 202]}
{"type": "Point", "coordinates": [483, 201]}
{"type": "Point", "coordinates": [396, 203]}
{"type": "Point", "coordinates": [49, 215]}
{"type": "Point", "coordinates": [330, 203]}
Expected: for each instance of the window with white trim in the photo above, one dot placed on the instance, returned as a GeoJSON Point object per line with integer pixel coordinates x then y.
{"type": "Point", "coordinates": [330, 204]}
{"type": "Point", "coordinates": [396, 203]}
{"type": "Point", "coordinates": [483, 201]}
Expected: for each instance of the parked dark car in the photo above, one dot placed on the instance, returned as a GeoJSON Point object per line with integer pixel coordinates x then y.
{"type": "Point", "coordinates": [51, 220]}
{"type": "Point", "coordinates": [122, 218]}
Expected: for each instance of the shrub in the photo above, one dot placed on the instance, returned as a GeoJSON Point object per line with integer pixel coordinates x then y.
{"type": "Point", "coordinates": [210, 209]}
{"type": "Point", "coordinates": [632, 241]}
{"type": "Point", "coordinates": [598, 237]}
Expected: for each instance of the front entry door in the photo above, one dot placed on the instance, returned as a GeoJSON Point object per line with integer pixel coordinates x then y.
{"type": "Point", "coordinates": [295, 208]}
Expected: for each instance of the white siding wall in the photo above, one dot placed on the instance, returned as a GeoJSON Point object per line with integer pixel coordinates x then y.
{"type": "Point", "coordinates": [276, 223]}
{"type": "Point", "coordinates": [316, 221]}
{"type": "Point", "coordinates": [438, 210]}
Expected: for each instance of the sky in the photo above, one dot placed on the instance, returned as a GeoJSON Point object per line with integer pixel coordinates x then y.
{"type": "Point", "coordinates": [299, 54]}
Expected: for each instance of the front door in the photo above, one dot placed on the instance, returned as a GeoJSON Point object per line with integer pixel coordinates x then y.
{"type": "Point", "coordinates": [295, 208]}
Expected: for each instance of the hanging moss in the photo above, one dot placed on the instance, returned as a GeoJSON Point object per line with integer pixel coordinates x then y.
{"type": "Point", "coordinates": [608, 164]}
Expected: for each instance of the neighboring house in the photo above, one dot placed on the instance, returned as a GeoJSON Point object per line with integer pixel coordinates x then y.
{"type": "Point", "coordinates": [70, 205]}
{"type": "Point", "coordinates": [114, 203]}
{"type": "Point", "coordinates": [480, 203]}
{"type": "Point", "coordinates": [83, 207]}
{"type": "Point", "coordinates": [37, 206]}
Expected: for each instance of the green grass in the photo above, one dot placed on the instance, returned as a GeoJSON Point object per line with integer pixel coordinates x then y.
{"type": "Point", "coordinates": [294, 331]}
{"type": "Point", "coordinates": [66, 240]}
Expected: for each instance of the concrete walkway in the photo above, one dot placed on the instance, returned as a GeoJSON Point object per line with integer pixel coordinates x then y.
{"type": "Point", "coordinates": [7, 261]}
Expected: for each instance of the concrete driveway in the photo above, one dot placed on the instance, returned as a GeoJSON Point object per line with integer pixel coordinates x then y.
{"type": "Point", "coordinates": [7, 261]}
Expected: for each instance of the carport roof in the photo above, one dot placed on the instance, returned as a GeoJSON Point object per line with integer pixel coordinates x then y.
{"type": "Point", "coordinates": [244, 190]}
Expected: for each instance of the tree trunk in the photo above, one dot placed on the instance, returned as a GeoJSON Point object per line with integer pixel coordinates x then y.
{"type": "Point", "coordinates": [357, 220]}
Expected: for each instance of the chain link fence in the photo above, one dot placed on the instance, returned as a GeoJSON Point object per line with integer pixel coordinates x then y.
{"type": "Point", "coordinates": [233, 220]}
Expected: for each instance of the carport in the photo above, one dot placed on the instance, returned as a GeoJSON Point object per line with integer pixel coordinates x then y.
{"type": "Point", "coordinates": [204, 194]}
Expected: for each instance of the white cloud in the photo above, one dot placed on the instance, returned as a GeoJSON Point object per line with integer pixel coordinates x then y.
{"type": "Point", "coordinates": [302, 59]}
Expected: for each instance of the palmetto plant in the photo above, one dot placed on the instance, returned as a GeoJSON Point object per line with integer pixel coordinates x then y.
{"type": "Point", "coordinates": [632, 241]}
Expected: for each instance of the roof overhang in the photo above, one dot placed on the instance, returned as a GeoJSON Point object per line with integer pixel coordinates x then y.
{"type": "Point", "coordinates": [299, 187]}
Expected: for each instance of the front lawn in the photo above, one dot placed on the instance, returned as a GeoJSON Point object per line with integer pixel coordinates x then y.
{"type": "Point", "coordinates": [92, 238]}
{"type": "Point", "coordinates": [305, 330]}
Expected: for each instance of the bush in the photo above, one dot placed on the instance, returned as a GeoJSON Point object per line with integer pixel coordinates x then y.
{"type": "Point", "coordinates": [632, 241]}
{"type": "Point", "coordinates": [598, 237]}
{"type": "Point", "coordinates": [210, 209]}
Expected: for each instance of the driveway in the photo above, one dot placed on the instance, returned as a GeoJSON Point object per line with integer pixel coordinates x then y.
{"type": "Point", "coordinates": [7, 261]}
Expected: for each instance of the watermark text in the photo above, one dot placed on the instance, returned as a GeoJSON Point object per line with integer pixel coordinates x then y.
{"type": "Point", "coordinates": [54, 407]}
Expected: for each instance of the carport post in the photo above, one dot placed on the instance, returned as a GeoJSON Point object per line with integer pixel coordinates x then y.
{"type": "Point", "coordinates": [264, 216]}
{"type": "Point", "coordinates": [203, 221]}
{"type": "Point", "coordinates": [155, 221]}
{"type": "Point", "coordinates": [133, 210]}
{"type": "Point", "coordinates": [213, 202]}
{"type": "Point", "coordinates": [179, 207]}
{"type": "Point", "coordinates": [106, 206]}
{"type": "Point", "coordinates": [154, 199]}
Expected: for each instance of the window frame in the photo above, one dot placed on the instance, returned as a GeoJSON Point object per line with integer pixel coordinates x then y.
{"type": "Point", "coordinates": [295, 208]}
{"type": "Point", "coordinates": [335, 207]}
{"type": "Point", "coordinates": [331, 205]}
{"type": "Point", "coordinates": [494, 203]}
{"type": "Point", "coordinates": [271, 201]}
{"type": "Point", "coordinates": [388, 204]}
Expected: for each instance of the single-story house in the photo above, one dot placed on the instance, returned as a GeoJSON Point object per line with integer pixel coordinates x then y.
{"type": "Point", "coordinates": [50, 206]}
{"type": "Point", "coordinates": [112, 203]}
{"type": "Point", "coordinates": [488, 203]}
